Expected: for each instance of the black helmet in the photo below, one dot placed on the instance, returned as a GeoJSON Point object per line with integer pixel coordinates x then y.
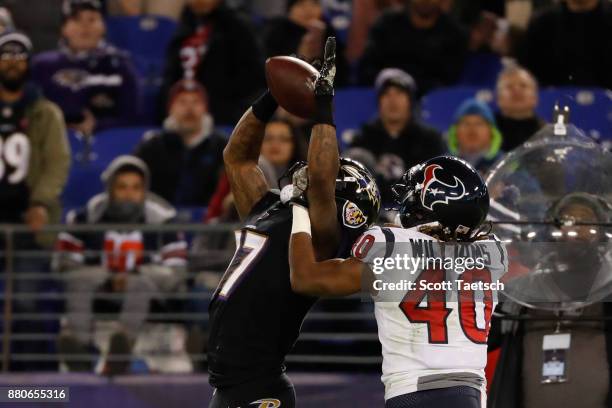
{"type": "Point", "coordinates": [443, 189]}
{"type": "Point", "coordinates": [357, 194]}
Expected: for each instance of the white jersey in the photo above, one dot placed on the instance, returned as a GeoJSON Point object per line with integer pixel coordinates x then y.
{"type": "Point", "coordinates": [431, 338]}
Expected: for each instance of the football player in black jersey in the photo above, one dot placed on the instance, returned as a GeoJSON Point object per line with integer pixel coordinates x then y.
{"type": "Point", "coordinates": [255, 314]}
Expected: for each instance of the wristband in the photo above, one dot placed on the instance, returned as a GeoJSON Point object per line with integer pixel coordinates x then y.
{"type": "Point", "coordinates": [301, 220]}
{"type": "Point", "coordinates": [325, 110]}
{"type": "Point", "coordinates": [264, 107]}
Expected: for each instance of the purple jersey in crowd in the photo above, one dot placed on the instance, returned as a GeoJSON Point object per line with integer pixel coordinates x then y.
{"type": "Point", "coordinates": [102, 80]}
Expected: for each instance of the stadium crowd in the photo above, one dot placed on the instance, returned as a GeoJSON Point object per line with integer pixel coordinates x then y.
{"type": "Point", "coordinates": [63, 78]}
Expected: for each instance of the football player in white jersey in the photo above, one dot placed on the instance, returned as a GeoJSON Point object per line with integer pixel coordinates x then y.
{"type": "Point", "coordinates": [433, 324]}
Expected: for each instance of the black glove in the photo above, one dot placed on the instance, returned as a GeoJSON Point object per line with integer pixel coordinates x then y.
{"type": "Point", "coordinates": [324, 85]}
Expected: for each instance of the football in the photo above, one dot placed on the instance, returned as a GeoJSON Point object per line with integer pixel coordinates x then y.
{"type": "Point", "coordinates": [291, 82]}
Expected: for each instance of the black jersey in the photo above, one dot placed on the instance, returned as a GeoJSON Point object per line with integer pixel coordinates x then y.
{"type": "Point", "coordinates": [255, 317]}
{"type": "Point", "coordinates": [14, 162]}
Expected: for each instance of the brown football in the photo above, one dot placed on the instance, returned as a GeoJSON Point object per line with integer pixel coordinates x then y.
{"type": "Point", "coordinates": [291, 82]}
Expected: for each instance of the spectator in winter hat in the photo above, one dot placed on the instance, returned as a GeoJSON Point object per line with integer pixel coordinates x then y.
{"type": "Point", "coordinates": [395, 139]}
{"type": "Point", "coordinates": [93, 82]}
{"type": "Point", "coordinates": [33, 129]}
{"type": "Point", "coordinates": [34, 164]}
{"type": "Point", "coordinates": [474, 136]}
{"type": "Point", "coordinates": [136, 265]}
{"type": "Point", "coordinates": [186, 156]}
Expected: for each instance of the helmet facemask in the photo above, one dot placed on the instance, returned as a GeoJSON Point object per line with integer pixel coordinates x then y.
{"type": "Point", "coordinates": [357, 195]}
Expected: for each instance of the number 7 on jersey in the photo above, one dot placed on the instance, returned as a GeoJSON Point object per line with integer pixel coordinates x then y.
{"type": "Point", "coordinates": [249, 245]}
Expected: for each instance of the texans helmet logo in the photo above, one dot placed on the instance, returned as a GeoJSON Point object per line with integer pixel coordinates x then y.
{"type": "Point", "coordinates": [435, 191]}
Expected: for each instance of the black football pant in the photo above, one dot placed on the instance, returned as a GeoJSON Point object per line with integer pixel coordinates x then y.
{"type": "Point", "coordinates": [451, 397]}
{"type": "Point", "coordinates": [270, 392]}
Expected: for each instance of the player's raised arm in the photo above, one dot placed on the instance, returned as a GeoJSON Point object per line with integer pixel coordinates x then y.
{"type": "Point", "coordinates": [324, 162]}
{"type": "Point", "coordinates": [241, 155]}
{"type": "Point", "coordinates": [334, 277]}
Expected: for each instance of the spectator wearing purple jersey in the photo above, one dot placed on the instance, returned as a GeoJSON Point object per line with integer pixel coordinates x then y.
{"type": "Point", "coordinates": [93, 82]}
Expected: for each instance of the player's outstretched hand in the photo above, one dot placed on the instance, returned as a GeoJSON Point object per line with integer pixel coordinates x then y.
{"type": "Point", "coordinates": [324, 85]}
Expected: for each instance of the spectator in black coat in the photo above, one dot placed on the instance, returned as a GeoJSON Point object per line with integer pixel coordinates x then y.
{"type": "Point", "coordinates": [517, 98]}
{"type": "Point", "coordinates": [186, 157]}
{"type": "Point", "coordinates": [395, 139]}
{"type": "Point", "coordinates": [569, 44]}
{"type": "Point", "coordinates": [303, 32]}
{"type": "Point", "coordinates": [421, 40]}
{"type": "Point", "coordinates": [216, 47]}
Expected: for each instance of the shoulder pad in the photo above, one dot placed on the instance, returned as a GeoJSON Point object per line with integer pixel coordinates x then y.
{"type": "Point", "coordinates": [407, 234]}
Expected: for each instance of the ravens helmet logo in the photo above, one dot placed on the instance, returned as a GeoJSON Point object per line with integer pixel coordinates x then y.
{"type": "Point", "coordinates": [267, 403]}
{"type": "Point", "coordinates": [353, 217]}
